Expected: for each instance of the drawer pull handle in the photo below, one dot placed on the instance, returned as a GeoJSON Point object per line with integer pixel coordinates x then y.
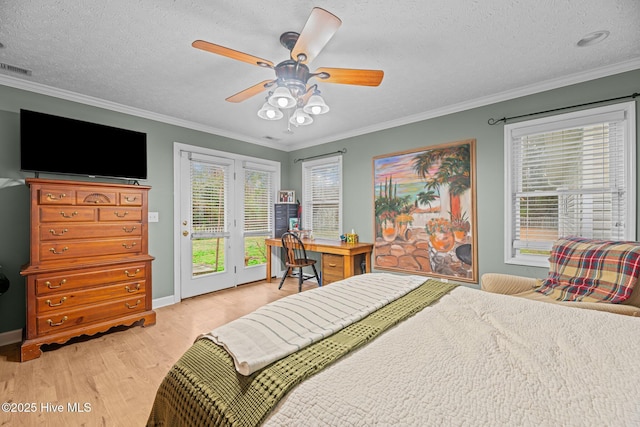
{"type": "Point", "coordinates": [125, 213]}
{"type": "Point", "coordinates": [50, 286]}
{"type": "Point", "coordinates": [58, 253]}
{"type": "Point", "coordinates": [129, 246]}
{"type": "Point", "coordinates": [131, 198]}
{"type": "Point", "coordinates": [53, 232]}
{"type": "Point", "coordinates": [129, 231]}
{"type": "Point", "coordinates": [63, 299]}
{"type": "Point", "coordinates": [332, 265]}
{"type": "Point", "coordinates": [129, 306]}
{"type": "Point", "coordinates": [132, 274]}
{"type": "Point", "coordinates": [136, 289]}
{"type": "Point", "coordinates": [64, 215]}
{"type": "Point", "coordinates": [64, 319]}
{"type": "Point", "coordinates": [54, 197]}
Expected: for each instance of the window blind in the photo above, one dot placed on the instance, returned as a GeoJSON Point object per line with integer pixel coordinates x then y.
{"type": "Point", "coordinates": [209, 199]}
{"type": "Point", "coordinates": [570, 180]}
{"type": "Point", "coordinates": [258, 201]}
{"type": "Point", "coordinates": [322, 197]}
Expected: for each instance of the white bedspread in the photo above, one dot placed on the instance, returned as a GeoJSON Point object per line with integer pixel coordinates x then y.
{"type": "Point", "coordinates": [287, 325]}
{"type": "Point", "coordinates": [480, 359]}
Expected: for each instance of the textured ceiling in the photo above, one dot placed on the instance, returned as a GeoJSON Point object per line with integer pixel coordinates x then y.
{"type": "Point", "coordinates": [439, 56]}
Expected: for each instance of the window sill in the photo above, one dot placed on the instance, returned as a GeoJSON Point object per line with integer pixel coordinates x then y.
{"type": "Point", "coordinates": [528, 261]}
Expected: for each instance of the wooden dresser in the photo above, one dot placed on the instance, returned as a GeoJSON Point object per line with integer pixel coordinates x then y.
{"type": "Point", "coordinates": [89, 266]}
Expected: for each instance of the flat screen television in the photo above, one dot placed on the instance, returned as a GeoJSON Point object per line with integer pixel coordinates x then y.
{"type": "Point", "coordinates": [60, 145]}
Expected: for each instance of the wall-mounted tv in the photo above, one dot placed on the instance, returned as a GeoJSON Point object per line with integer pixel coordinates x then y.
{"type": "Point", "coordinates": [60, 145]}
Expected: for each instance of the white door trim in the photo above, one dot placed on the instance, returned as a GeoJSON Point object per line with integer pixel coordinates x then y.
{"type": "Point", "coordinates": [177, 148]}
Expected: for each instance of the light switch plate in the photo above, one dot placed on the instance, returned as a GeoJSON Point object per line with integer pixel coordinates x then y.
{"type": "Point", "coordinates": [153, 217]}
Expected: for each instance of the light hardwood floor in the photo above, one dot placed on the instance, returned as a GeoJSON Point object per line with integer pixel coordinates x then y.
{"type": "Point", "coordinates": [116, 374]}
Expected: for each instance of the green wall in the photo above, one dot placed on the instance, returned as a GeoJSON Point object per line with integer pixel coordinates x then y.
{"type": "Point", "coordinates": [358, 163]}
{"type": "Point", "coordinates": [14, 201]}
{"type": "Point", "coordinates": [357, 170]}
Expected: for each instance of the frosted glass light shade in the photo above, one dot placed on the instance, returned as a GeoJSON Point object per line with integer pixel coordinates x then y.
{"type": "Point", "coordinates": [282, 98]}
{"type": "Point", "coordinates": [269, 112]}
{"type": "Point", "coordinates": [300, 118]}
{"type": "Point", "coordinates": [316, 105]}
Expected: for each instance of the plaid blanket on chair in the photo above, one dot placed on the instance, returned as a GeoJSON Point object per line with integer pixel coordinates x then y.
{"type": "Point", "coordinates": [592, 270]}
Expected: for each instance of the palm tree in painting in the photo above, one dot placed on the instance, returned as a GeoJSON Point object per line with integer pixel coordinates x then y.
{"type": "Point", "coordinates": [448, 165]}
{"type": "Point", "coordinates": [425, 198]}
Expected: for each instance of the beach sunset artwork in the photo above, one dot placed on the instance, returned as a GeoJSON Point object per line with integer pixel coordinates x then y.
{"type": "Point", "coordinates": [425, 211]}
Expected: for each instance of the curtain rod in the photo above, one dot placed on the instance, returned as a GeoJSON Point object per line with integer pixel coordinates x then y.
{"type": "Point", "coordinates": [504, 119]}
{"type": "Point", "coordinates": [344, 150]}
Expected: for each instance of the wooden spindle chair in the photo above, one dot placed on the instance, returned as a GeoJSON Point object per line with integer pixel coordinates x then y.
{"type": "Point", "coordinates": [296, 257]}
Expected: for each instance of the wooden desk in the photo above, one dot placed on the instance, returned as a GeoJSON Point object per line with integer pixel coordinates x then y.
{"type": "Point", "coordinates": [349, 253]}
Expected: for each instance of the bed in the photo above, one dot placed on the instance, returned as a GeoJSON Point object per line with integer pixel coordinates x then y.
{"type": "Point", "coordinates": [428, 353]}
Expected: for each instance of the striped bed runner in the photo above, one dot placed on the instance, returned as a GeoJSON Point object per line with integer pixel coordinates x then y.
{"type": "Point", "coordinates": [293, 323]}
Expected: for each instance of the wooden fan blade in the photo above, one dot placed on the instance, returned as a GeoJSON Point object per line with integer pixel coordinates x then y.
{"type": "Point", "coordinates": [230, 53]}
{"type": "Point", "coordinates": [317, 32]}
{"type": "Point", "coordinates": [350, 76]}
{"type": "Point", "coordinates": [252, 91]}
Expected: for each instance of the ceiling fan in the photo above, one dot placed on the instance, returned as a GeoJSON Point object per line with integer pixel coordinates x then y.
{"type": "Point", "coordinates": [292, 88]}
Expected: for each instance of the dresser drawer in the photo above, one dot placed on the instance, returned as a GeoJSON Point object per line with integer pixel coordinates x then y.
{"type": "Point", "coordinates": [56, 196]}
{"type": "Point", "coordinates": [332, 268]}
{"type": "Point", "coordinates": [79, 297]}
{"type": "Point", "coordinates": [47, 284]}
{"type": "Point", "coordinates": [131, 198]}
{"type": "Point", "coordinates": [88, 231]}
{"type": "Point", "coordinates": [88, 197]}
{"type": "Point", "coordinates": [120, 214]}
{"type": "Point", "coordinates": [68, 214]}
{"type": "Point", "coordinates": [60, 320]}
{"type": "Point", "coordinates": [82, 249]}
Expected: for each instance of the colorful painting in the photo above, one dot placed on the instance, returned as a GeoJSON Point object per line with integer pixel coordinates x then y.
{"type": "Point", "coordinates": [425, 211]}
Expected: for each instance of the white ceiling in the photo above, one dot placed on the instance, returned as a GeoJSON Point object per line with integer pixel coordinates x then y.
{"type": "Point", "coordinates": [439, 56]}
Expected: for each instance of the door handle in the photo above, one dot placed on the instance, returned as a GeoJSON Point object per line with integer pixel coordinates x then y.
{"type": "Point", "coordinates": [185, 233]}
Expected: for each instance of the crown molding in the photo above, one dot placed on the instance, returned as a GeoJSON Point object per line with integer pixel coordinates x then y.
{"type": "Point", "coordinates": [568, 80]}
{"type": "Point", "coordinates": [125, 109]}
{"type": "Point", "coordinates": [483, 101]}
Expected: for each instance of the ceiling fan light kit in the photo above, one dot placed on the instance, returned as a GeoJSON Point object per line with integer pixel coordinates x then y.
{"type": "Point", "coordinates": [316, 105]}
{"type": "Point", "coordinates": [300, 118]}
{"type": "Point", "coordinates": [292, 75]}
{"type": "Point", "coordinates": [269, 112]}
{"type": "Point", "coordinates": [282, 98]}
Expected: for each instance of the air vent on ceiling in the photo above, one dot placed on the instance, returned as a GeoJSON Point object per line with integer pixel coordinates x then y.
{"type": "Point", "coordinates": [14, 69]}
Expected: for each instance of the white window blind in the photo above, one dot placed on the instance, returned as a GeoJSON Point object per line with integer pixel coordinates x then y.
{"type": "Point", "coordinates": [569, 175]}
{"type": "Point", "coordinates": [258, 201]}
{"type": "Point", "coordinates": [209, 204]}
{"type": "Point", "coordinates": [322, 197]}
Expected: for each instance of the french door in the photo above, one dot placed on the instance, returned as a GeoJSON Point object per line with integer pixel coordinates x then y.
{"type": "Point", "coordinates": [225, 213]}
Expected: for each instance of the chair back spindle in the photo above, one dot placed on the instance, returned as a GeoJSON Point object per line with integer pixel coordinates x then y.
{"type": "Point", "coordinates": [296, 258]}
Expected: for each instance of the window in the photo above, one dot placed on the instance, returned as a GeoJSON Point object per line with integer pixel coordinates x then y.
{"type": "Point", "coordinates": [322, 197]}
{"type": "Point", "coordinates": [259, 190]}
{"type": "Point", "coordinates": [569, 175]}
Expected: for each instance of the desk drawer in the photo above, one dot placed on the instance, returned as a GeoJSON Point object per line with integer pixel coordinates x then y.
{"type": "Point", "coordinates": [332, 268]}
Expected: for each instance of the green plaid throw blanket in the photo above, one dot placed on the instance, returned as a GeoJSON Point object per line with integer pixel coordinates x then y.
{"type": "Point", "coordinates": [204, 389]}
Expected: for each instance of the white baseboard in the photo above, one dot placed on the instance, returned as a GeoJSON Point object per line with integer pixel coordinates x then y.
{"type": "Point", "coordinates": [10, 337]}
{"type": "Point", "coordinates": [163, 302]}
